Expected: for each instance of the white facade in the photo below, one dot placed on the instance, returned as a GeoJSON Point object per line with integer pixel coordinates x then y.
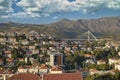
{"type": "Point", "coordinates": [43, 71]}
{"type": "Point", "coordinates": [22, 70]}
{"type": "Point", "coordinates": [30, 70]}
{"type": "Point", "coordinates": [52, 58]}
{"type": "Point", "coordinates": [5, 76]}
{"type": "Point", "coordinates": [119, 53]}
{"type": "Point", "coordinates": [35, 51]}
{"type": "Point", "coordinates": [117, 66]}
{"type": "Point", "coordinates": [25, 42]}
{"type": "Point", "coordinates": [56, 72]}
{"type": "Point", "coordinates": [99, 62]}
{"type": "Point", "coordinates": [33, 70]}
{"type": "Point", "coordinates": [113, 61]}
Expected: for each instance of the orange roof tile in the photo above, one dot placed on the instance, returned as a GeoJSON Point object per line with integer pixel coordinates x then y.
{"type": "Point", "coordinates": [5, 71]}
{"type": "Point", "coordinates": [64, 76]}
{"type": "Point", "coordinates": [88, 55]}
{"type": "Point", "coordinates": [56, 69]}
{"type": "Point", "coordinates": [43, 66]}
{"type": "Point", "coordinates": [25, 76]}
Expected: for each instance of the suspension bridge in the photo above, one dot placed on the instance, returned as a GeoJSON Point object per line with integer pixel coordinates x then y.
{"type": "Point", "coordinates": [86, 36]}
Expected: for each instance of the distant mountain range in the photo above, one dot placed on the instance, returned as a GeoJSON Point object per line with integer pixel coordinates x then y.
{"type": "Point", "coordinates": [70, 28]}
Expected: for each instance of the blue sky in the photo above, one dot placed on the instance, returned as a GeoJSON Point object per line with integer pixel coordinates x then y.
{"type": "Point", "coordinates": [49, 11]}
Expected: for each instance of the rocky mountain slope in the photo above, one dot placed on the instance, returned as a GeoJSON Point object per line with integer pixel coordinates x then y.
{"type": "Point", "coordinates": [70, 28]}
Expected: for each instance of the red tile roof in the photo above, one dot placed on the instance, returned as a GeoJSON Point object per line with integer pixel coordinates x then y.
{"type": "Point", "coordinates": [64, 76]}
{"type": "Point", "coordinates": [25, 76]}
{"type": "Point", "coordinates": [5, 71]}
{"type": "Point", "coordinates": [55, 68]}
{"type": "Point", "coordinates": [88, 55]}
{"type": "Point", "coordinates": [43, 66]}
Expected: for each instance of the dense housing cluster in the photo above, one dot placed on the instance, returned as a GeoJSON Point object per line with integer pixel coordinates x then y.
{"type": "Point", "coordinates": [43, 55]}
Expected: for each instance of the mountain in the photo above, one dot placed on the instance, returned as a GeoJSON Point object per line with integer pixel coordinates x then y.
{"type": "Point", "coordinates": [70, 28]}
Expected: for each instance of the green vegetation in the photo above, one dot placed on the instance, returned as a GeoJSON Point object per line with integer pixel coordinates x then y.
{"type": "Point", "coordinates": [73, 61]}
{"type": "Point", "coordinates": [108, 76]}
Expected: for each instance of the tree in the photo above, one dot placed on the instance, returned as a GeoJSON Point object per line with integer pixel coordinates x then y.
{"type": "Point", "coordinates": [117, 75]}
{"type": "Point", "coordinates": [103, 67]}
{"type": "Point", "coordinates": [74, 60]}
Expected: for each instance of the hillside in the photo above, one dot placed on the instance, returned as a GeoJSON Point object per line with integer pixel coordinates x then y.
{"type": "Point", "coordinates": [70, 28]}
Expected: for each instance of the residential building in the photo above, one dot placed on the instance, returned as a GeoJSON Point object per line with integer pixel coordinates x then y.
{"type": "Point", "coordinates": [56, 58]}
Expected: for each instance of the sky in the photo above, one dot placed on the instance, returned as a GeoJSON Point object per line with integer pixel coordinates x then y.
{"type": "Point", "coordinates": [50, 11]}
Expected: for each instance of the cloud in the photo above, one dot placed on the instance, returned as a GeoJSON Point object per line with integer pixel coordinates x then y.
{"type": "Point", "coordinates": [1, 7]}
{"type": "Point", "coordinates": [38, 8]}
{"type": "Point", "coordinates": [54, 6]}
{"type": "Point", "coordinates": [114, 4]}
{"type": "Point", "coordinates": [1, 1]}
{"type": "Point", "coordinates": [55, 17]}
{"type": "Point", "coordinates": [5, 8]}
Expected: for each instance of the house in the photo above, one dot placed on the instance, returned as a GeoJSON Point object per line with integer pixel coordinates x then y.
{"type": "Point", "coordinates": [4, 74]}
{"type": "Point", "coordinates": [64, 76]}
{"type": "Point", "coordinates": [27, 69]}
{"type": "Point", "coordinates": [55, 70]}
{"type": "Point", "coordinates": [8, 54]}
{"type": "Point", "coordinates": [12, 39]}
{"type": "Point", "coordinates": [118, 53]}
{"type": "Point", "coordinates": [56, 58]}
{"type": "Point", "coordinates": [35, 51]}
{"type": "Point", "coordinates": [10, 34]}
{"type": "Point", "coordinates": [31, 47]}
{"type": "Point", "coordinates": [1, 62]}
{"type": "Point", "coordinates": [93, 71]}
{"type": "Point", "coordinates": [32, 69]}
{"type": "Point", "coordinates": [25, 42]}
{"type": "Point", "coordinates": [90, 58]}
{"type": "Point", "coordinates": [2, 39]}
{"type": "Point", "coordinates": [24, 76]}
{"type": "Point", "coordinates": [21, 59]}
{"type": "Point", "coordinates": [101, 61]}
{"type": "Point", "coordinates": [117, 66]}
{"type": "Point", "coordinates": [28, 53]}
{"type": "Point", "coordinates": [113, 60]}
{"type": "Point", "coordinates": [10, 62]}
{"type": "Point", "coordinates": [13, 46]}
{"type": "Point", "coordinates": [43, 69]}
{"type": "Point", "coordinates": [22, 69]}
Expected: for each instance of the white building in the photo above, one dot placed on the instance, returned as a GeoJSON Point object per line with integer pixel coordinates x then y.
{"type": "Point", "coordinates": [55, 70]}
{"type": "Point", "coordinates": [27, 69]}
{"type": "Point", "coordinates": [117, 66]}
{"type": "Point", "coordinates": [4, 74]}
{"type": "Point", "coordinates": [99, 62]}
{"type": "Point", "coordinates": [113, 61]}
{"type": "Point", "coordinates": [56, 58]}
{"type": "Point", "coordinates": [43, 69]}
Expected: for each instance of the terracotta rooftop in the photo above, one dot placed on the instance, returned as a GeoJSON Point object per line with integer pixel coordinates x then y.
{"type": "Point", "coordinates": [5, 71]}
{"type": "Point", "coordinates": [101, 60]}
{"type": "Point", "coordinates": [88, 55]}
{"type": "Point", "coordinates": [10, 59]}
{"type": "Point", "coordinates": [25, 76]}
{"type": "Point", "coordinates": [64, 76]}
{"type": "Point", "coordinates": [93, 70]}
{"type": "Point", "coordinates": [43, 66]}
{"type": "Point", "coordinates": [55, 68]}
